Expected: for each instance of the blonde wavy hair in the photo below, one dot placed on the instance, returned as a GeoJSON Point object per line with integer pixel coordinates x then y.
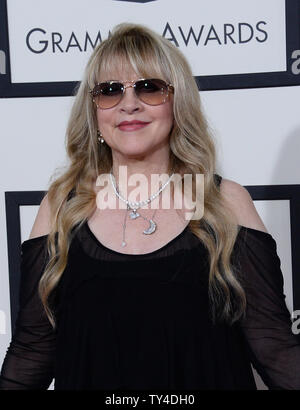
{"type": "Point", "coordinates": [72, 196]}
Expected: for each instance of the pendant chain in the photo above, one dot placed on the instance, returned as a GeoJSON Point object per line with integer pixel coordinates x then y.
{"type": "Point", "coordinates": [134, 206]}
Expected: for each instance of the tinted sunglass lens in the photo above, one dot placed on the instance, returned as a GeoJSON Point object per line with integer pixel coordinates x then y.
{"type": "Point", "coordinates": [107, 95]}
{"type": "Point", "coordinates": [152, 91]}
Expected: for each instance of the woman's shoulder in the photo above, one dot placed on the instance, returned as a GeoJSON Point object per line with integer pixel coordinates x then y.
{"type": "Point", "coordinates": [241, 204]}
{"type": "Point", "coordinates": [41, 226]}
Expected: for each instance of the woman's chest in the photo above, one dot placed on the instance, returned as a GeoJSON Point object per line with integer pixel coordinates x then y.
{"type": "Point", "coordinates": [140, 232]}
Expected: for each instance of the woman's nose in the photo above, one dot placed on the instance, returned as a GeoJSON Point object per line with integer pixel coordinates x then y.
{"type": "Point", "coordinates": [130, 102]}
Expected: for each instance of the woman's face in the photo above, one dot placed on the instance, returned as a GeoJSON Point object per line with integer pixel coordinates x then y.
{"type": "Point", "coordinates": [135, 140]}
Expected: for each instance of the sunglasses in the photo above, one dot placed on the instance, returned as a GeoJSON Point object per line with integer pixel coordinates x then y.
{"type": "Point", "coordinates": [150, 91]}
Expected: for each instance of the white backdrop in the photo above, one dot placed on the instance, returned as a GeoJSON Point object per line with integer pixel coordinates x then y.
{"type": "Point", "coordinates": [53, 41]}
{"type": "Point", "coordinates": [257, 131]}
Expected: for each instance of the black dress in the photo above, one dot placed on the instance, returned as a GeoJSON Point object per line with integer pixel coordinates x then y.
{"type": "Point", "coordinates": [141, 322]}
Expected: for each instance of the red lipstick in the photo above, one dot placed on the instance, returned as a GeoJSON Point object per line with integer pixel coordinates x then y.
{"type": "Point", "coordinates": [132, 125]}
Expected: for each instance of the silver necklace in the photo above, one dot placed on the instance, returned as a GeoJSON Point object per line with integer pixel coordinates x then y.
{"type": "Point", "coordinates": [134, 206]}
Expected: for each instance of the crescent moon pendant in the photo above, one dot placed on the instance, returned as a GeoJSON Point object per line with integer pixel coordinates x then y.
{"type": "Point", "coordinates": [151, 228]}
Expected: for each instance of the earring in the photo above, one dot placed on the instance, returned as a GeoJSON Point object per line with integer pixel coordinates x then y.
{"type": "Point", "coordinates": [99, 137]}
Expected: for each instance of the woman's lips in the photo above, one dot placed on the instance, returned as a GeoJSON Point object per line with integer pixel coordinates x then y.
{"type": "Point", "coordinates": [132, 126]}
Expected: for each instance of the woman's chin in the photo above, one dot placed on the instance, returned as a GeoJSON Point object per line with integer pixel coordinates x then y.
{"type": "Point", "coordinates": [135, 154]}
{"type": "Point", "coordinates": [134, 149]}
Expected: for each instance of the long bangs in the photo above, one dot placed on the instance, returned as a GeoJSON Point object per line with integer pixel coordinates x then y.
{"type": "Point", "coordinates": [131, 50]}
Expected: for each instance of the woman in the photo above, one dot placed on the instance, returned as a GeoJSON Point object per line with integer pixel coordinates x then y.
{"type": "Point", "coordinates": [141, 297]}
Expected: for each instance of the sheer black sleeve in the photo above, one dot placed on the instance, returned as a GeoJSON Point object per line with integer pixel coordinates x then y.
{"type": "Point", "coordinates": [29, 360]}
{"type": "Point", "coordinates": [273, 348]}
